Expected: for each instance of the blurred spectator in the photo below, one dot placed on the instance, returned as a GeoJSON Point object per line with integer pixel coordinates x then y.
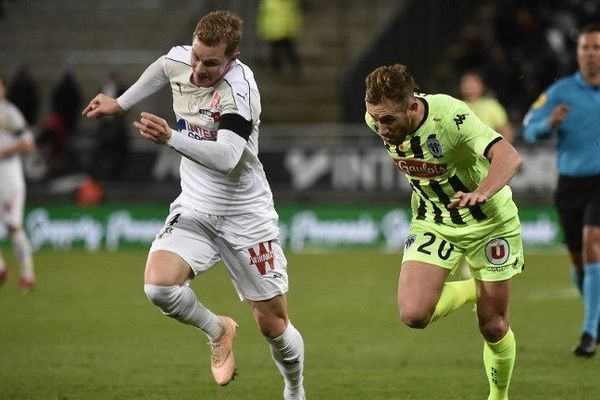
{"type": "Point", "coordinates": [66, 101]}
{"type": "Point", "coordinates": [527, 47]}
{"type": "Point", "coordinates": [278, 24]}
{"type": "Point", "coordinates": [473, 91]}
{"type": "Point", "coordinates": [112, 139]}
{"type": "Point", "coordinates": [24, 93]}
{"type": "Point", "coordinates": [65, 109]}
{"type": "Point", "coordinates": [89, 193]}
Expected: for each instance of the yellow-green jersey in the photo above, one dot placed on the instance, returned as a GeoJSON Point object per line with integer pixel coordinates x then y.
{"type": "Point", "coordinates": [446, 154]}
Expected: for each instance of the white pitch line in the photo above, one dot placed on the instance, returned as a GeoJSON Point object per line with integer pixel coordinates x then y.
{"type": "Point", "coordinates": [554, 294]}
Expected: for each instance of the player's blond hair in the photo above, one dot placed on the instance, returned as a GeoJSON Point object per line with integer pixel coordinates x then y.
{"type": "Point", "coordinates": [391, 82]}
{"type": "Point", "coordinates": [220, 26]}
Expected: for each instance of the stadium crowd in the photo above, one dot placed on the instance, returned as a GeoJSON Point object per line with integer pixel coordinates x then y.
{"type": "Point", "coordinates": [528, 46]}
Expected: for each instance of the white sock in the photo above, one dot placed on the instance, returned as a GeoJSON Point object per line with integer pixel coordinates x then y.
{"type": "Point", "coordinates": [23, 253]}
{"type": "Point", "coordinates": [180, 303]}
{"type": "Point", "coordinates": [288, 353]}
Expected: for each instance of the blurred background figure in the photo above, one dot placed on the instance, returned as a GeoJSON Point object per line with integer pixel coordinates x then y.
{"type": "Point", "coordinates": [61, 122]}
{"type": "Point", "coordinates": [569, 109]}
{"type": "Point", "coordinates": [24, 92]}
{"type": "Point", "coordinates": [279, 23]}
{"type": "Point", "coordinates": [15, 139]}
{"type": "Point", "coordinates": [473, 91]}
{"type": "Point", "coordinates": [111, 139]}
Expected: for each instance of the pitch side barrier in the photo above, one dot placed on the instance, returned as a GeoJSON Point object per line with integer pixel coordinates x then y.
{"type": "Point", "coordinates": [304, 227]}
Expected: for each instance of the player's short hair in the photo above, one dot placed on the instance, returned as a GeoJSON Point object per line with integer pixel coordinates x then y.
{"type": "Point", "coordinates": [592, 28]}
{"type": "Point", "coordinates": [219, 26]}
{"type": "Point", "coordinates": [391, 82]}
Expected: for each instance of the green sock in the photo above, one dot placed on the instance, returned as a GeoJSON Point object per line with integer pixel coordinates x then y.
{"type": "Point", "coordinates": [499, 359]}
{"type": "Point", "coordinates": [454, 295]}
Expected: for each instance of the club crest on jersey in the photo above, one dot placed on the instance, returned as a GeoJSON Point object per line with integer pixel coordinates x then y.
{"type": "Point", "coordinates": [497, 251]}
{"type": "Point", "coordinates": [262, 257]}
{"type": "Point", "coordinates": [194, 104]}
{"type": "Point", "coordinates": [434, 146]}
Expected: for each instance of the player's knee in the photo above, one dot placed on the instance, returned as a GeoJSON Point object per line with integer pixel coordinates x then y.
{"type": "Point", "coordinates": [416, 319]}
{"type": "Point", "coordinates": [273, 327]}
{"type": "Point", "coordinates": [494, 329]}
{"type": "Point", "coordinates": [13, 230]}
{"type": "Point", "coordinates": [164, 297]}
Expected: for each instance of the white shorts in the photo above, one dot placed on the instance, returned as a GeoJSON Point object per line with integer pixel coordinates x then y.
{"type": "Point", "coordinates": [248, 244]}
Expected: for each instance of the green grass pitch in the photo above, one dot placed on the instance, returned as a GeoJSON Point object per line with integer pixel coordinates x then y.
{"type": "Point", "coordinates": [89, 333]}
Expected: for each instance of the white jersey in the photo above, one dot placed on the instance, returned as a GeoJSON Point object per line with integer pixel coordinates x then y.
{"type": "Point", "coordinates": [197, 111]}
{"type": "Point", "coordinates": [13, 129]}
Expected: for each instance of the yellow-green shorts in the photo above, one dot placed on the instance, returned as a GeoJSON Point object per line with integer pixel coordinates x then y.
{"type": "Point", "coordinates": [492, 248]}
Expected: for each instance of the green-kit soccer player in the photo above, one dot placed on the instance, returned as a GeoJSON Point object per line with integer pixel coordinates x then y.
{"type": "Point", "coordinates": [458, 169]}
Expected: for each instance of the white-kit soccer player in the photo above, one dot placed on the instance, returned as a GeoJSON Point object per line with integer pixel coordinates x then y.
{"type": "Point", "coordinates": [15, 139]}
{"type": "Point", "coordinates": [225, 210]}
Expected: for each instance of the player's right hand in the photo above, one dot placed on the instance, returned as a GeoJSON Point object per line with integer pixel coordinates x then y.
{"type": "Point", "coordinates": [102, 105]}
{"type": "Point", "coordinates": [558, 115]}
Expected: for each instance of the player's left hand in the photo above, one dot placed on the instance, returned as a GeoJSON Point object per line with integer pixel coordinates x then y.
{"type": "Point", "coordinates": [153, 128]}
{"type": "Point", "coordinates": [467, 199]}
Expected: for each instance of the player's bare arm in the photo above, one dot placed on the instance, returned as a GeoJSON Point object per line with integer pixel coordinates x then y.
{"type": "Point", "coordinates": [102, 105]}
{"type": "Point", "coordinates": [153, 128]}
{"type": "Point", "coordinates": [504, 163]}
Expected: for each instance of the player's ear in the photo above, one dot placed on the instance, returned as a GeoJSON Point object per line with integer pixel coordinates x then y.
{"type": "Point", "coordinates": [413, 107]}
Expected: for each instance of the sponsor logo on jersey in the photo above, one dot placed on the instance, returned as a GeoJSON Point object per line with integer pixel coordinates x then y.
{"type": "Point", "coordinates": [195, 131]}
{"type": "Point", "coordinates": [497, 252]}
{"type": "Point", "coordinates": [459, 119]}
{"type": "Point", "coordinates": [435, 146]}
{"type": "Point", "coordinates": [209, 115]}
{"type": "Point", "coordinates": [262, 257]}
{"type": "Point", "coordinates": [410, 240]}
{"type": "Point", "coordinates": [421, 169]}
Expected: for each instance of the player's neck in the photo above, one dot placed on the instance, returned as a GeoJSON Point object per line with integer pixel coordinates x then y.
{"type": "Point", "coordinates": [592, 79]}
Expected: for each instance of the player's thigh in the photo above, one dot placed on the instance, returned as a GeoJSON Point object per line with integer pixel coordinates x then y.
{"type": "Point", "coordinates": [419, 288]}
{"type": "Point", "coordinates": [184, 247]}
{"type": "Point", "coordinates": [165, 267]}
{"type": "Point", "coordinates": [497, 255]}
